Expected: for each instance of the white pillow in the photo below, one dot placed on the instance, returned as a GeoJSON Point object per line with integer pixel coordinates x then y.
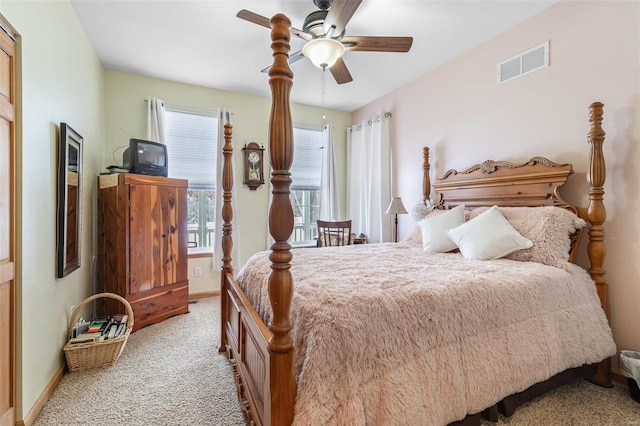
{"type": "Point", "coordinates": [435, 229]}
{"type": "Point", "coordinates": [488, 236]}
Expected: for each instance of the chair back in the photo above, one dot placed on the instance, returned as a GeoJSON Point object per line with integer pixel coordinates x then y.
{"type": "Point", "coordinates": [334, 233]}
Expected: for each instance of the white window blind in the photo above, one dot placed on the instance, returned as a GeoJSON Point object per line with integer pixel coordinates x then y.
{"type": "Point", "coordinates": [191, 146]}
{"type": "Point", "coordinates": [307, 158]}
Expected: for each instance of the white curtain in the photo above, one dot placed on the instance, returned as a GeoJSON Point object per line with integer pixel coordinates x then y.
{"type": "Point", "coordinates": [155, 119]}
{"type": "Point", "coordinates": [329, 196]}
{"type": "Point", "coordinates": [369, 178]}
{"type": "Point", "coordinates": [224, 117]}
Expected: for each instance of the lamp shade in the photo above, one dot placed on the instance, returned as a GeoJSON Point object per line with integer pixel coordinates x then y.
{"type": "Point", "coordinates": [323, 52]}
{"type": "Point", "coordinates": [396, 207]}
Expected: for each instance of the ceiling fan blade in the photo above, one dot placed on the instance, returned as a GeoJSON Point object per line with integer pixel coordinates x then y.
{"type": "Point", "coordinates": [254, 17]}
{"type": "Point", "coordinates": [377, 44]}
{"type": "Point", "coordinates": [339, 15]}
{"type": "Point", "coordinates": [340, 72]}
{"type": "Point", "coordinates": [266, 22]}
{"type": "Point", "coordinates": [295, 57]}
{"type": "Point", "coordinates": [300, 33]}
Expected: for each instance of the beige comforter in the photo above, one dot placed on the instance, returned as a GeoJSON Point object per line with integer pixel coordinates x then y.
{"type": "Point", "coordinates": [388, 334]}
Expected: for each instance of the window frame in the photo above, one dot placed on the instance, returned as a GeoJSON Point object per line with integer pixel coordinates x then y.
{"type": "Point", "coordinates": [308, 227]}
{"type": "Point", "coordinates": [201, 232]}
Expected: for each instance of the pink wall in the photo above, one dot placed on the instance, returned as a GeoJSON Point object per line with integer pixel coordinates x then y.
{"type": "Point", "coordinates": [460, 112]}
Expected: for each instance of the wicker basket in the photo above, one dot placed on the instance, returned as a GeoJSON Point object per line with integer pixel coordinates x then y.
{"type": "Point", "coordinates": [104, 353]}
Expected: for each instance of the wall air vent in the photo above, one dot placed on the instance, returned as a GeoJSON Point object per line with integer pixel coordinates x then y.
{"type": "Point", "coordinates": [524, 63]}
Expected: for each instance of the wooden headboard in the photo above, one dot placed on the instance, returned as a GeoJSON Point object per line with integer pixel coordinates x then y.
{"type": "Point", "coordinates": [534, 183]}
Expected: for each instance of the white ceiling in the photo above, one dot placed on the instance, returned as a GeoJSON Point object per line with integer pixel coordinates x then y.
{"type": "Point", "coordinates": [204, 43]}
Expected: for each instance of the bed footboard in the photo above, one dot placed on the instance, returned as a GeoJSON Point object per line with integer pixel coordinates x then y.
{"type": "Point", "coordinates": [246, 339]}
{"type": "Point", "coordinates": [262, 356]}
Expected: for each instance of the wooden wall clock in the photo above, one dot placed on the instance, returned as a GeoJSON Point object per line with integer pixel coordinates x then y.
{"type": "Point", "coordinates": [253, 168]}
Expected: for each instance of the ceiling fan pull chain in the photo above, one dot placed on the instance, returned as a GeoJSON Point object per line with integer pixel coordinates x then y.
{"type": "Point", "coordinates": [323, 85]}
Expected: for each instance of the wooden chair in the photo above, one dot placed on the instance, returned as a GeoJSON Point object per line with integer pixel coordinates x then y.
{"type": "Point", "coordinates": [334, 233]}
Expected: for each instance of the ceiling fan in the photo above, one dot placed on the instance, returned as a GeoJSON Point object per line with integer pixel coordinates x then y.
{"type": "Point", "coordinates": [324, 31]}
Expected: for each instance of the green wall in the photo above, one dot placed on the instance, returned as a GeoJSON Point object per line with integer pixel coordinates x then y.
{"type": "Point", "coordinates": [126, 115]}
{"type": "Point", "coordinates": [62, 81]}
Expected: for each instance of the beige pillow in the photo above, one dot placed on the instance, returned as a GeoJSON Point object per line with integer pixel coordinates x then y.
{"type": "Point", "coordinates": [435, 229]}
{"type": "Point", "coordinates": [549, 228]}
{"type": "Point", "coordinates": [488, 236]}
{"type": "Point", "coordinates": [415, 238]}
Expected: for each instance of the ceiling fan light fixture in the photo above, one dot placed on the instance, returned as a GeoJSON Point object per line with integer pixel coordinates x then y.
{"type": "Point", "coordinates": [323, 52]}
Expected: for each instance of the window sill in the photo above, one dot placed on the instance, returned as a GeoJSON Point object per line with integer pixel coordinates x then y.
{"type": "Point", "coordinates": [199, 254]}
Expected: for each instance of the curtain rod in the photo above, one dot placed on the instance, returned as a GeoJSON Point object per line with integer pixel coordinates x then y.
{"type": "Point", "coordinates": [203, 110]}
{"type": "Point", "coordinates": [370, 122]}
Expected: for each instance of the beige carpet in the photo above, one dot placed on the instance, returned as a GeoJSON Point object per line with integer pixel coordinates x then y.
{"type": "Point", "coordinates": [578, 404]}
{"type": "Point", "coordinates": [168, 374]}
{"type": "Point", "coordinates": [172, 374]}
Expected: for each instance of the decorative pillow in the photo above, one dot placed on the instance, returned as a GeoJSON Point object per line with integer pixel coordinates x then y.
{"type": "Point", "coordinates": [415, 238]}
{"type": "Point", "coordinates": [549, 228]}
{"type": "Point", "coordinates": [435, 229]}
{"type": "Point", "coordinates": [488, 236]}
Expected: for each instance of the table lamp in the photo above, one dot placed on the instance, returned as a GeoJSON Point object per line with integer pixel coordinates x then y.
{"type": "Point", "coordinates": [396, 207]}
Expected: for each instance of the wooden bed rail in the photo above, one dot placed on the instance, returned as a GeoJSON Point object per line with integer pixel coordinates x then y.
{"type": "Point", "coordinates": [227, 216]}
{"type": "Point", "coordinates": [281, 369]}
{"type": "Point", "coordinates": [263, 357]}
{"type": "Point", "coordinates": [596, 215]}
{"type": "Point", "coordinates": [426, 178]}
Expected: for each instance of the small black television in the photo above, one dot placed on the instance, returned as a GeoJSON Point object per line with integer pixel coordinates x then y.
{"type": "Point", "coordinates": [146, 158]}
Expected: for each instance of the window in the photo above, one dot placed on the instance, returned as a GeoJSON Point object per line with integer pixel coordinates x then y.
{"type": "Point", "coordinates": [191, 139]}
{"type": "Point", "coordinates": [305, 188]}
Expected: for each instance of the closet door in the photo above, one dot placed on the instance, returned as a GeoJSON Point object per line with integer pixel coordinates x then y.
{"type": "Point", "coordinates": [156, 237]}
{"type": "Point", "coordinates": [7, 227]}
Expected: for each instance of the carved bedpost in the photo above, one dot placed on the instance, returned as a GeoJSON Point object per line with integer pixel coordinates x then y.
{"type": "Point", "coordinates": [227, 216]}
{"type": "Point", "coordinates": [597, 214]}
{"type": "Point", "coordinates": [426, 179]}
{"type": "Point", "coordinates": [280, 226]}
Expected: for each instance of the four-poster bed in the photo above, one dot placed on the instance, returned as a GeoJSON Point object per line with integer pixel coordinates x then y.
{"type": "Point", "coordinates": [370, 343]}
